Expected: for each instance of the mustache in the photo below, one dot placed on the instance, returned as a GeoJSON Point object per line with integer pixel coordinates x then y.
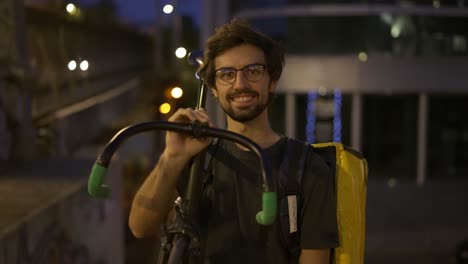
{"type": "Point", "coordinates": [242, 92]}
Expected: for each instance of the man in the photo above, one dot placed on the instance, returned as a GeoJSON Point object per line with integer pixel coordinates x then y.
{"type": "Point", "coordinates": [242, 68]}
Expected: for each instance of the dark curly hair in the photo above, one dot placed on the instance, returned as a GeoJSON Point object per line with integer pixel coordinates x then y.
{"type": "Point", "coordinates": [233, 34]}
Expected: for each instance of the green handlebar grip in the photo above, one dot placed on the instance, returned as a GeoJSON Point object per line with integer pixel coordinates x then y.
{"type": "Point", "coordinates": [95, 186]}
{"type": "Point", "coordinates": [268, 214]}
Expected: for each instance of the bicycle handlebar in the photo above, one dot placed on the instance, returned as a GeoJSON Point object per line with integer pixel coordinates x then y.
{"type": "Point", "coordinates": [96, 187]}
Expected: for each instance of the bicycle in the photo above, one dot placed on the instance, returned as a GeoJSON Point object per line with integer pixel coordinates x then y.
{"type": "Point", "coordinates": [180, 241]}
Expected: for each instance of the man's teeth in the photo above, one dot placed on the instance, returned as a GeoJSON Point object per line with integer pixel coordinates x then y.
{"type": "Point", "coordinates": [242, 98]}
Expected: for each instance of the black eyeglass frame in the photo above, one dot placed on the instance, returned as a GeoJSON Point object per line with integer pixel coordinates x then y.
{"type": "Point", "coordinates": [244, 70]}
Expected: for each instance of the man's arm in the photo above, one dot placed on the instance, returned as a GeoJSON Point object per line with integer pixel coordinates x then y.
{"type": "Point", "coordinates": [155, 198]}
{"type": "Point", "coordinates": [319, 231]}
{"type": "Point", "coordinates": [315, 256]}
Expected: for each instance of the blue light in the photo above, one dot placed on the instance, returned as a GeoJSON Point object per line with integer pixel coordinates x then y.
{"type": "Point", "coordinates": [337, 122]}
{"type": "Point", "coordinates": [310, 115]}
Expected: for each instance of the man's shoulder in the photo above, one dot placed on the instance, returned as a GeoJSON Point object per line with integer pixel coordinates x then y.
{"type": "Point", "coordinates": [300, 146]}
{"type": "Point", "coordinates": [316, 159]}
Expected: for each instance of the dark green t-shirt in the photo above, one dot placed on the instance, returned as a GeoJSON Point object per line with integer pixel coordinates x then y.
{"type": "Point", "coordinates": [232, 198]}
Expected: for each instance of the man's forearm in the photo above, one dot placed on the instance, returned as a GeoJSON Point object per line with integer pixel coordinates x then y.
{"type": "Point", "coordinates": [155, 198]}
{"type": "Point", "coordinates": [315, 256]}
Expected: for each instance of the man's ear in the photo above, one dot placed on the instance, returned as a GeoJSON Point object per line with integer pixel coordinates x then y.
{"type": "Point", "coordinates": [215, 92]}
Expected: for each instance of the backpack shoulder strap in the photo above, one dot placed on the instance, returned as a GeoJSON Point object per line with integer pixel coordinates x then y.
{"type": "Point", "coordinates": [290, 179]}
{"type": "Point", "coordinates": [293, 161]}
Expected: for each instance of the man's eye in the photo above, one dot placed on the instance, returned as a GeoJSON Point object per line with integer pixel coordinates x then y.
{"type": "Point", "coordinates": [255, 70]}
{"type": "Point", "coordinates": [227, 74]}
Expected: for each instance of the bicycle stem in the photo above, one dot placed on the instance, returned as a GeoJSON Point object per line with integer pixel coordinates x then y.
{"type": "Point", "coordinates": [96, 187]}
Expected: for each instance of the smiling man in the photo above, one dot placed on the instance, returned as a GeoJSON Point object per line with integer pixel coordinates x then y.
{"type": "Point", "coordinates": [242, 67]}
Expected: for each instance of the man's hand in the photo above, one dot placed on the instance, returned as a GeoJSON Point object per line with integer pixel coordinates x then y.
{"type": "Point", "coordinates": [183, 146]}
{"type": "Point", "coordinates": [155, 197]}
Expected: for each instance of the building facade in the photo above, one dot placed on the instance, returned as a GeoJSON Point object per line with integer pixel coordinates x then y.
{"type": "Point", "coordinates": [385, 77]}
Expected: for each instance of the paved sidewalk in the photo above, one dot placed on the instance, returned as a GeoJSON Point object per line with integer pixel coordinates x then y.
{"type": "Point", "coordinates": [411, 224]}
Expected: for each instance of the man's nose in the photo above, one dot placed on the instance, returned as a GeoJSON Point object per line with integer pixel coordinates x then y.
{"type": "Point", "coordinates": [241, 81]}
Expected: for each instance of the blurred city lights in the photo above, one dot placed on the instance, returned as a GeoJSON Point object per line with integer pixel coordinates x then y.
{"type": "Point", "coordinates": [362, 56]}
{"type": "Point", "coordinates": [72, 65]}
{"type": "Point", "coordinates": [436, 4]}
{"type": "Point", "coordinates": [84, 65]}
{"type": "Point", "coordinates": [180, 52]}
{"type": "Point", "coordinates": [337, 119]}
{"type": "Point", "coordinates": [177, 92]}
{"type": "Point", "coordinates": [387, 18]}
{"type": "Point", "coordinates": [164, 108]}
{"type": "Point", "coordinates": [392, 182]}
{"type": "Point", "coordinates": [322, 91]}
{"type": "Point", "coordinates": [71, 9]}
{"type": "Point", "coordinates": [167, 9]}
{"type": "Point", "coordinates": [396, 30]}
{"type": "Point", "coordinates": [311, 118]}
{"type": "Point", "coordinates": [459, 43]}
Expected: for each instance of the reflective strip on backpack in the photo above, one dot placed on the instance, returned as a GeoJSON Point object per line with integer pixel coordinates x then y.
{"type": "Point", "coordinates": [292, 212]}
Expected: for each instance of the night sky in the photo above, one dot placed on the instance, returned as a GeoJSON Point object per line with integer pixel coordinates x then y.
{"type": "Point", "coordinates": [143, 11]}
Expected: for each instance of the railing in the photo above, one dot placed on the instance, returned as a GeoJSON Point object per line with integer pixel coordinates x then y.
{"type": "Point", "coordinates": [72, 106]}
{"type": "Point", "coordinates": [115, 55]}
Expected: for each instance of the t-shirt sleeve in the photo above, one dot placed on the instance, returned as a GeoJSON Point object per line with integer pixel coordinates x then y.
{"type": "Point", "coordinates": [319, 221]}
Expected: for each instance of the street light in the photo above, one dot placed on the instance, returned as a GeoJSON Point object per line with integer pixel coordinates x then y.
{"type": "Point", "coordinates": [362, 56]}
{"type": "Point", "coordinates": [175, 19]}
{"type": "Point", "coordinates": [84, 65]}
{"type": "Point", "coordinates": [71, 9]}
{"type": "Point", "coordinates": [177, 92]}
{"type": "Point", "coordinates": [167, 9]}
{"type": "Point", "coordinates": [164, 108]}
{"type": "Point", "coordinates": [72, 65]}
{"type": "Point", "coordinates": [180, 52]}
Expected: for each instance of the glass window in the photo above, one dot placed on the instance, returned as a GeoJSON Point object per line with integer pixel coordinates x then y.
{"type": "Point", "coordinates": [389, 135]}
{"type": "Point", "coordinates": [447, 136]}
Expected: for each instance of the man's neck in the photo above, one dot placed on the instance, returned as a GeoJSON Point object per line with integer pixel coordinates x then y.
{"type": "Point", "coordinates": [258, 130]}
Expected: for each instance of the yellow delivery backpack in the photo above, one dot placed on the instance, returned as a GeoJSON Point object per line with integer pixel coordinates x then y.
{"type": "Point", "coordinates": [350, 169]}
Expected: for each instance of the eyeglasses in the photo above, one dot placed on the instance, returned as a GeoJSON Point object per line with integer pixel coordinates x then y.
{"type": "Point", "coordinates": [251, 72]}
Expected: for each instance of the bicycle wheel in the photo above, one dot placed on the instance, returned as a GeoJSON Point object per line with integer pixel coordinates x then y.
{"type": "Point", "coordinates": [178, 250]}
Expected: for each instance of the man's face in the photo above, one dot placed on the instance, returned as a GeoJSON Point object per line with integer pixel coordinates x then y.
{"type": "Point", "coordinates": [243, 100]}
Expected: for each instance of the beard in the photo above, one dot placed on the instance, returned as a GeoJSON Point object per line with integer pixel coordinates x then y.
{"type": "Point", "coordinates": [248, 114]}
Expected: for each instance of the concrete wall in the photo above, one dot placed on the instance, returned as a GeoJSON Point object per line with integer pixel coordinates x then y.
{"type": "Point", "coordinates": [48, 217]}
{"type": "Point", "coordinates": [376, 75]}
